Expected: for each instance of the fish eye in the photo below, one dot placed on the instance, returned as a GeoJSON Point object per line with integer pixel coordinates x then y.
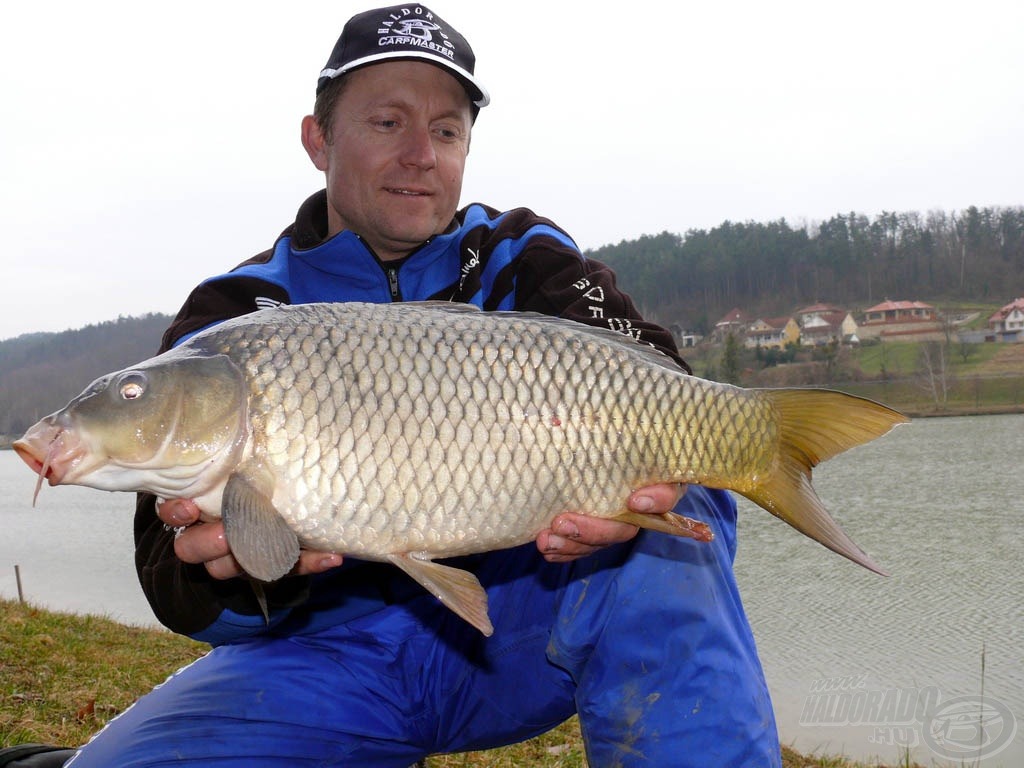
{"type": "Point", "coordinates": [132, 386]}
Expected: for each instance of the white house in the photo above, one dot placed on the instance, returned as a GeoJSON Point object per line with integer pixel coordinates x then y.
{"type": "Point", "coordinates": [1008, 322]}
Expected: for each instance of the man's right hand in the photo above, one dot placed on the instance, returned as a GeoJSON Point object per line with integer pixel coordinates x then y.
{"type": "Point", "coordinates": [204, 543]}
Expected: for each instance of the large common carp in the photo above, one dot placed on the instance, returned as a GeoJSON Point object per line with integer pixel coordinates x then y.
{"type": "Point", "coordinates": [408, 432]}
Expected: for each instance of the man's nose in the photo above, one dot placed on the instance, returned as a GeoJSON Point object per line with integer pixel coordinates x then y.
{"type": "Point", "coordinates": [418, 149]}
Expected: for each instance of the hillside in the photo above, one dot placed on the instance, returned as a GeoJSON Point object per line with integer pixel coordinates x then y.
{"type": "Point", "coordinates": [40, 372]}
{"type": "Point", "coordinates": [852, 260]}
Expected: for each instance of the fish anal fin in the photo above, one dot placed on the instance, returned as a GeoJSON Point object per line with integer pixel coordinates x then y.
{"type": "Point", "coordinates": [668, 522]}
{"type": "Point", "coordinates": [259, 538]}
{"type": "Point", "coordinates": [457, 589]}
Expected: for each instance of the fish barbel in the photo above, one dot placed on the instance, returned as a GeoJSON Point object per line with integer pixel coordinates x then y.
{"type": "Point", "coordinates": [414, 431]}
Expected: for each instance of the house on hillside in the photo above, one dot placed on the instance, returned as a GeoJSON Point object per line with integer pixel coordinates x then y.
{"type": "Point", "coordinates": [734, 322]}
{"type": "Point", "coordinates": [684, 336]}
{"type": "Point", "coordinates": [772, 333]}
{"type": "Point", "coordinates": [822, 324]}
{"type": "Point", "coordinates": [902, 321]}
{"type": "Point", "coordinates": [1007, 324]}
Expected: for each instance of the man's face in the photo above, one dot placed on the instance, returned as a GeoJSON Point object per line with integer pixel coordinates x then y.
{"type": "Point", "coordinates": [395, 161]}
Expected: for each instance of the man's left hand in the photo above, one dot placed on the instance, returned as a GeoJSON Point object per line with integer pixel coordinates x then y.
{"type": "Point", "coordinates": [573, 535]}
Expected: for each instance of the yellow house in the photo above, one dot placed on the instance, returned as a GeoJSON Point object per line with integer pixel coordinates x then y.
{"type": "Point", "coordinates": [774, 332]}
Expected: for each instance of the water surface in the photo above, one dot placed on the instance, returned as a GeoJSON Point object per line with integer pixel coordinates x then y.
{"type": "Point", "coordinates": [938, 503]}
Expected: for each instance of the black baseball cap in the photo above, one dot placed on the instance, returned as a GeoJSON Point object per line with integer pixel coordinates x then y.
{"type": "Point", "coordinates": [403, 32]}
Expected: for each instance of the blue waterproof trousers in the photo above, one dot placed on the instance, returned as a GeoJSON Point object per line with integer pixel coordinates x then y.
{"type": "Point", "coordinates": [647, 641]}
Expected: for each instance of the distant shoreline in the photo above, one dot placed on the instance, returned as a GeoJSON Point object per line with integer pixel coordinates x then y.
{"type": "Point", "coordinates": [991, 410]}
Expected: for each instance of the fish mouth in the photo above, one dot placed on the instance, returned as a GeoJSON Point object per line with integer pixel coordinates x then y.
{"type": "Point", "coordinates": [50, 451]}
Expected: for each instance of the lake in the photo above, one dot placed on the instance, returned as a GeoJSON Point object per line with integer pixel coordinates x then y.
{"type": "Point", "coordinates": [858, 664]}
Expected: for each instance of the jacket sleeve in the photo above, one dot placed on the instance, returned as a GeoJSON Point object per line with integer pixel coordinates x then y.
{"type": "Point", "coordinates": [184, 597]}
{"type": "Point", "coordinates": [555, 279]}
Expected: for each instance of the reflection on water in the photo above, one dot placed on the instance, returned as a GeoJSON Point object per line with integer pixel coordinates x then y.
{"type": "Point", "coordinates": [854, 660]}
{"type": "Point", "coordinates": [937, 503]}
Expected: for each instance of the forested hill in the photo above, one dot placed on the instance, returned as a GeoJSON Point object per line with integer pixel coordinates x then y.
{"type": "Point", "coordinates": [692, 280]}
{"type": "Point", "coordinates": [850, 260]}
{"type": "Point", "coordinates": [40, 372]}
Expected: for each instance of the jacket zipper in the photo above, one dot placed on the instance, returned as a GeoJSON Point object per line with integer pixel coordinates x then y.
{"type": "Point", "coordinates": [392, 273]}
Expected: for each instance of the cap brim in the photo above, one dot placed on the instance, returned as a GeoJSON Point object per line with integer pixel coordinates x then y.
{"type": "Point", "coordinates": [478, 94]}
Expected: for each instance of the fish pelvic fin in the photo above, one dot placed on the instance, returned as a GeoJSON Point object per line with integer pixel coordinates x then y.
{"type": "Point", "coordinates": [259, 538]}
{"type": "Point", "coordinates": [815, 425]}
{"type": "Point", "coordinates": [456, 588]}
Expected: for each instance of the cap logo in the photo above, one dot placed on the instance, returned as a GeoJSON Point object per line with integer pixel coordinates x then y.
{"type": "Point", "coordinates": [414, 27]}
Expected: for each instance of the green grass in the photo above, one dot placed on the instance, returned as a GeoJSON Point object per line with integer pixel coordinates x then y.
{"type": "Point", "coordinates": [902, 358]}
{"type": "Point", "coordinates": [977, 378]}
{"type": "Point", "coordinates": [975, 395]}
{"type": "Point", "coordinates": [63, 676]}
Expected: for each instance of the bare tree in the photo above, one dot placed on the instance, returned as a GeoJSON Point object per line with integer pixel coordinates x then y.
{"type": "Point", "coordinates": [935, 371]}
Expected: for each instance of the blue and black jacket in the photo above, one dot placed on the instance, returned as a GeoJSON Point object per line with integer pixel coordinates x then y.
{"type": "Point", "coordinates": [513, 260]}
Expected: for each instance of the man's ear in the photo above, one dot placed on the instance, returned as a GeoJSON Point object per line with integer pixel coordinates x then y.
{"type": "Point", "coordinates": [314, 142]}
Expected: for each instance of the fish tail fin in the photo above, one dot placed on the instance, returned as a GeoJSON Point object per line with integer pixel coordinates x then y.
{"type": "Point", "coordinates": [816, 425]}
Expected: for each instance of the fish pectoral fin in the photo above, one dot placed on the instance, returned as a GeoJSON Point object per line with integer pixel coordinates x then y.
{"type": "Point", "coordinates": [668, 522]}
{"type": "Point", "coordinates": [258, 536]}
{"type": "Point", "coordinates": [261, 599]}
{"type": "Point", "coordinates": [457, 589]}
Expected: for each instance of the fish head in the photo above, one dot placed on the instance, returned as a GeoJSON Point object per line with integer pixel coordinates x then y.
{"type": "Point", "coordinates": [170, 425]}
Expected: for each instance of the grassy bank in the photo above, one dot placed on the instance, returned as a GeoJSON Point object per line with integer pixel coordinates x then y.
{"type": "Point", "coordinates": [62, 677]}
{"type": "Point", "coordinates": [915, 378]}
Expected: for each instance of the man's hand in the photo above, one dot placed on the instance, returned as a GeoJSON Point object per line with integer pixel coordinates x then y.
{"type": "Point", "coordinates": [202, 542]}
{"type": "Point", "coordinates": [573, 535]}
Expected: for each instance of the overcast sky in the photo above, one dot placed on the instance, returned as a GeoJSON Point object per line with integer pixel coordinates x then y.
{"type": "Point", "coordinates": [145, 146]}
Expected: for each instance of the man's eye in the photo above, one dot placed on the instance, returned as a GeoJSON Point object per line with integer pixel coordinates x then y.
{"type": "Point", "coordinates": [448, 134]}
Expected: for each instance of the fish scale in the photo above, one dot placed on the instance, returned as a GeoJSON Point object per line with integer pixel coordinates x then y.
{"type": "Point", "coordinates": [409, 432]}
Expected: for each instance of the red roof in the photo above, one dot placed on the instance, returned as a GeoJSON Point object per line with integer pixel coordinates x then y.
{"type": "Point", "coordinates": [1001, 313]}
{"type": "Point", "coordinates": [734, 315]}
{"type": "Point", "coordinates": [819, 308]}
{"type": "Point", "coordinates": [890, 306]}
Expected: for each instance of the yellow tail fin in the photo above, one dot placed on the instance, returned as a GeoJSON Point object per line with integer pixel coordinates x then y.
{"type": "Point", "coordinates": [815, 425]}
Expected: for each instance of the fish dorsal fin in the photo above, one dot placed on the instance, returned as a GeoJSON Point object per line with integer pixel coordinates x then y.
{"type": "Point", "coordinates": [641, 349]}
{"type": "Point", "coordinates": [258, 536]}
{"type": "Point", "coordinates": [445, 306]}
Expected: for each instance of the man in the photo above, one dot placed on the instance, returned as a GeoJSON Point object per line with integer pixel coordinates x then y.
{"type": "Point", "coordinates": [643, 635]}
